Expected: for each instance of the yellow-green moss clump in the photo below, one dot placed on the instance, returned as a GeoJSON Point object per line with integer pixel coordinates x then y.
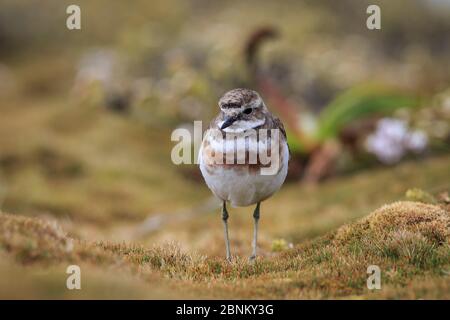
{"type": "Point", "coordinates": [419, 195]}
{"type": "Point", "coordinates": [404, 232]}
{"type": "Point", "coordinates": [424, 220]}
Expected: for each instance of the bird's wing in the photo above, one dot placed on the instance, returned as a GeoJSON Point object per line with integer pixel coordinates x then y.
{"type": "Point", "coordinates": [279, 125]}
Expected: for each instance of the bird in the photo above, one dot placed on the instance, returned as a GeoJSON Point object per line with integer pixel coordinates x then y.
{"type": "Point", "coordinates": [243, 131]}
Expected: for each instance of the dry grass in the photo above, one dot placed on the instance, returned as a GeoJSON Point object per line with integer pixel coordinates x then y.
{"type": "Point", "coordinates": [408, 240]}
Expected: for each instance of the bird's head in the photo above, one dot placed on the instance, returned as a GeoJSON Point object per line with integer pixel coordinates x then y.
{"type": "Point", "coordinates": [241, 109]}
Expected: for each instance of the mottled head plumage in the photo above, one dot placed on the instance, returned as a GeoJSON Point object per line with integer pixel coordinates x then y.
{"type": "Point", "coordinates": [238, 98]}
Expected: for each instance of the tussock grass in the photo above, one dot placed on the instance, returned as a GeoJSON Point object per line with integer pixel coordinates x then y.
{"type": "Point", "coordinates": [409, 241]}
{"type": "Point", "coordinates": [410, 231]}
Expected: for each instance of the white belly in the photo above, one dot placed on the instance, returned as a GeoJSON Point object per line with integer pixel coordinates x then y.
{"type": "Point", "coordinates": [241, 187]}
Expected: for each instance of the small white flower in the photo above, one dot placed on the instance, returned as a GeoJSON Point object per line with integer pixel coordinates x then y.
{"type": "Point", "coordinates": [417, 141]}
{"type": "Point", "coordinates": [392, 139]}
{"type": "Point", "coordinates": [387, 151]}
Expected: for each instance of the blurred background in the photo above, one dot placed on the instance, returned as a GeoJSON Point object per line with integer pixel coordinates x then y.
{"type": "Point", "coordinates": [86, 115]}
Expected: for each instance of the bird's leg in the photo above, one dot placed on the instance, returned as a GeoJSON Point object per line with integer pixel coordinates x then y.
{"type": "Point", "coordinates": [225, 228]}
{"type": "Point", "coordinates": [255, 231]}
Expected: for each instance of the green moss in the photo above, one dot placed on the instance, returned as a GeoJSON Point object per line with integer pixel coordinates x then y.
{"type": "Point", "coordinates": [419, 195]}
{"type": "Point", "coordinates": [279, 245]}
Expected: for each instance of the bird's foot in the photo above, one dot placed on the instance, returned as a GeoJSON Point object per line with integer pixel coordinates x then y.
{"type": "Point", "coordinates": [252, 258]}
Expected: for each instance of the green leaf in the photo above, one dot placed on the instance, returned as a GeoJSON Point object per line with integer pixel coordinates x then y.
{"type": "Point", "coordinates": [358, 103]}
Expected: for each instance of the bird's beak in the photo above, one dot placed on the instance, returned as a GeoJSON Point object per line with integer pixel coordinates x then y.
{"type": "Point", "coordinates": [229, 121]}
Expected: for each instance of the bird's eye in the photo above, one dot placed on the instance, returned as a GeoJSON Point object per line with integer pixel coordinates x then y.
{"type": "Point", "coordinates": [248, 110]}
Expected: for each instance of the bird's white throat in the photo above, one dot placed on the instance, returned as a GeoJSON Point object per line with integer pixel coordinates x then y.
{"type": "Point", "coordinates": [241, 125]}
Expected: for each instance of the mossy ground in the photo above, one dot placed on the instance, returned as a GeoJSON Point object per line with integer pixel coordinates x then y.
{"type": "Point", "coordinates": [409, 241]}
